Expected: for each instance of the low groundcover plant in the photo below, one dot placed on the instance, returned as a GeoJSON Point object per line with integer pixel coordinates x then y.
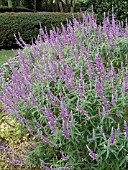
{"type": "Point", "coordinates": [69, 91]}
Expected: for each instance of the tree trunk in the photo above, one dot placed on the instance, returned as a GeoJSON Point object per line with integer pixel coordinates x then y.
{"type": "Point", "coordinates": [9, 3]}
{"type": "Point", "coordinates": [3, 2]}
{"type": "Point", "coordinates": [14, 5]}
{"type": "Point", "coordinates": [34, 5]}
{"type": "Point", "coordinates": [60, 6]}
{"type": "Point", "coordinates": [72, 6]}
{"type": "Point", "coordinates": [21, 3]}
{"type": "Point", "coordinates": [56, 6]}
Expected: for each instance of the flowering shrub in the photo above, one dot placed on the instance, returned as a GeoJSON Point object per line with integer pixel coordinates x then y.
{"type": "Point", "coordinates": [69, 91]}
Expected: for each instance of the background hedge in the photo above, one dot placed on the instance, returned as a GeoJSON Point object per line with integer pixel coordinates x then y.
{"type": "Point", "coordinates": [18, 9]}
{"type": "Point", "coordinates": [101, 6]}
{"type": "Point", "coordinates": [28, 25]}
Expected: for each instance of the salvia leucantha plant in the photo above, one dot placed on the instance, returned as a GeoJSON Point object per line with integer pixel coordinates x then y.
{"type": "Point", "coordinates": [69, 91]}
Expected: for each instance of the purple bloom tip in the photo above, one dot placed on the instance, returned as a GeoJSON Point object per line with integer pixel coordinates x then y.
{"type": "Point", "coordinates": [91, 153]}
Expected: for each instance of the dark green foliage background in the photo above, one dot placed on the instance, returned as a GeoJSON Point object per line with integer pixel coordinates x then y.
{"type": "Point", "coordinates": [18, 9]}
{"type": "Point", "coordinates": [101, 6]}
{"type": "Point", "coordinates": [28, 25]}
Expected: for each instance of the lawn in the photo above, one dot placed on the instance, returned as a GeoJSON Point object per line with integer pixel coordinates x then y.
{"type": "Point", "coordinates": [5, 55]}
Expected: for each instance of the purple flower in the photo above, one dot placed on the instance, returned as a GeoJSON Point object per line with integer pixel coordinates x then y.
{"type": "Point", "coordinates": [88, 62]}
{"type": "Point", "coordinates": [123, 87]}
{"type": "Point", "coordinates": [30, 129]}
{"type": "Point", "coordinates": [64, 111]}
{"type": "Point", "coordinates": [82, 111]}
{"type": "Point", "coordinates": [99, 113]}
{"type": "Point", "coordinates": [79, 89]}
{"type": "Point", "coordinates": [18, 158]}
{"type": "Point", "coordinates": [20, 118]}
{"type": "Point", "coordinates": [24, 150]}
{"type": "Point", "coordinates": [32, 145]}
{"type": "Point", "coordinates": [66, 130]}
{"type": "Point", "coordinates": [105, 103]}
{"type": "Point", "coordinates": [112, 100]}
{"type": "Point", "coordinates": [45, 139]}
{"type": "Point", "coordinates": [99, 88]}
{"type": "Point", "coordinates": [14, 161]}
{"type": "Point", "coordinates": [118, 115]}
{"type": "Point", "coordinates": [51, 120]}
{"type": "Point", "coordinates": [9, 123]}
{"type": "Point", "coordinates": [52, 95]}
{"type": "Point", "coordinates": [101, 130]}
{"type": "Point", "coordinates": [43, 164]}
{"type": "Point", "coordinates": [125, 128]}
{"type": "Point", "coordinates": [18, 42]}
{"type": "Point", "coordinates": [72, 119]}
{"type": "Point", "coordinates": [104, 136]}
{"type": "Point", "coordinates": [118, 130]}
{"type": "Point", "coordinates": [112, 87]}
{"type": "Point", "coordinates": [84, 159]}
{"type": "Point", "coordinates": [38, 124]}
{"type": "Point", "coordinates": [65, 158]}
{"type": "Point", "coordinates": [82, 77]}
{"type": "Point", "coordinates": [91, 153]}
{"type": "Point", "coordinates": [112, 139]}
{"type": "Point", "coordinates": [94, 135]}
{"type": "Point", "coordinates": [99, 65]}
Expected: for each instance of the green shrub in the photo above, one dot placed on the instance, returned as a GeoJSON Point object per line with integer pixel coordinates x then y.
{"type": "Point", "coordinates": [101, 6]}
{"type": "Point", "coordinates": [28, 25]}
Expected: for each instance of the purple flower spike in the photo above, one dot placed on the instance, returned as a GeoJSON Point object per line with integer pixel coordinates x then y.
{"type": "Point", "coordinates": [91, 153]}
{"type": "Point", "coordinates": [101, 130]}
{"type": "Point", "coordinates": [118, 115]}
{"type": "Point", "coordinates": [123, 87]}
{"type": "Point", "coordinates": [45, 139]}
{"type": "Point", "coordinates": [112, 139]}
{"type": "Point", "coordinates": [118, 130]}
{"type": "Point", "coordinates": [9, 123]}
{"type": "Point", "coordinates": [94, 135]}
{"type": "Point", "coordinates": [99, 65]}
{"type": "Point", "coordinates": [104, 136]}
{"type": "Point", "coordinates": [43, 164]}
{"type": "Point", "coordinates": [32, 145]}
{"type": "Point", "coordinates": [125, 128]}
{"type": "Point", "coordinates": [82, 111]}
{"type": "Point", "coordinates": [14, 161]}
{"type": "Point", "coordinates": [99, 113]}
{"type": "Point", "coordinates": [65, 158]}
{"type": "Point", "coordinates": [38, 124]}
{"type": "Point", "coordinates": [113, 101]}
{"type": "Point", "coordinates": [99, 88]}
{"type": "Point", "coordinates": [84, 159]}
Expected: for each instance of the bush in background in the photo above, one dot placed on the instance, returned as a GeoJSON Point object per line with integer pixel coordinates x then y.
{"type": "Point", "coordinates": [28, 25]}
{"type": "Point", "coordinates": [101, 6]}
{"type": "Point", "coordinates": [69, 91]}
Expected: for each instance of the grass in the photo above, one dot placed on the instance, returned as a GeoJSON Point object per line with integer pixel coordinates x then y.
{"type": "Point", "coordinates": [5, 55]}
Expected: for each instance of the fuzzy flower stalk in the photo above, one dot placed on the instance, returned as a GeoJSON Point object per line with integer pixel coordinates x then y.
{"type": "Point", "coordinates": [91, 153]}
